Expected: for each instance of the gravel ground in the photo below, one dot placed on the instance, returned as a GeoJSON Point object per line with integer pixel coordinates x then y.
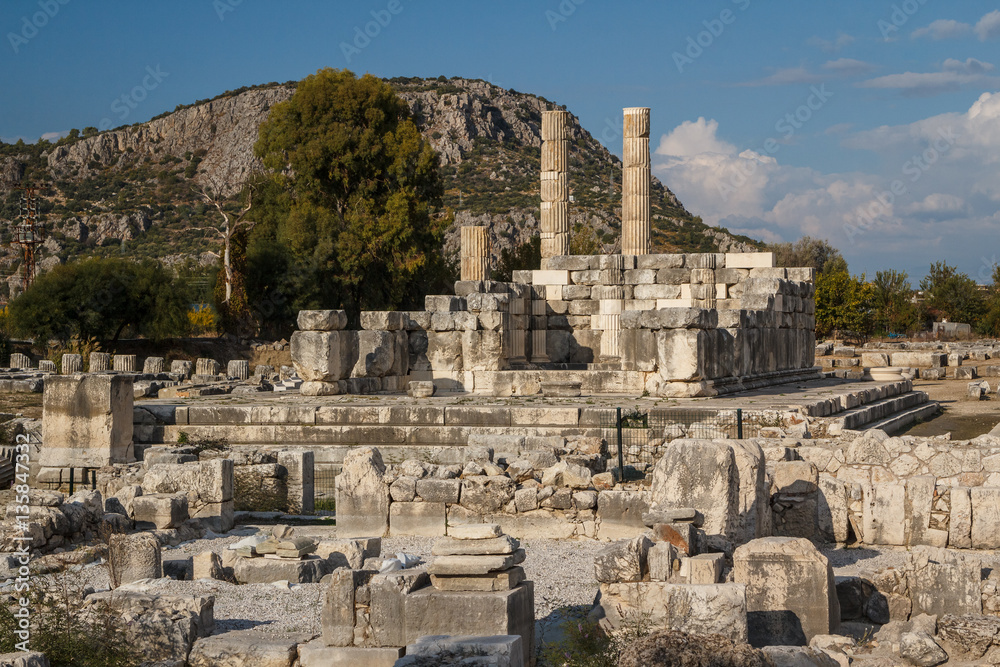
{"type": "Point", "coordinates": [561, 569]}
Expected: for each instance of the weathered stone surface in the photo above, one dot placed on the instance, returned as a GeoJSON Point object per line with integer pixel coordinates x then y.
{"type": "Point", "coordinates": [920, 649]}
{"type": "Point", "coordinates": [206, 565]}
{"type": "Point", "coordinates": [567, 474]}
{"type": "Point", "coordinates": [439, 490]}
{"type": "Point", "coordinates": [426, 519]}
{"type": "Point", "coordinates": [245, 648]}
{"type": "Point", "coordinates": [362, 495]}
{"type": "Point", "coordinates": [266, 570]}
{"type": "Point", "coordinates": [338, 613]}
{"type": "Point", "coordinates": [985, 517]}
{"type": "Point", "coordinates": [86, 421]}
{"type": "Point", "coordinates": [24, 659]}
{"type": "Point", "coordinates": [474, 565]}
{"type": "Point", "coordinates": [794, 656]}
{"type": "Point", "coordinates": [625, 560]}
{"type": "Point", "coordinates": [475, 531]}
{"type": "Point", "coordinates": [497, 651]}
{"type": "Point", "coordinates": [832, 509]}
{"type": "Point", "coordinates": [159, 511]}
{"type": "Point", "coordinates": [703, 475]}
{"type": "Point", "coordinates": [719, 609]}
{"type": "Point", "coordinates": [318, 356]}
{"type": "Point", "coordinates": [884, 515]}
{"type": "Point", "coordinates": [429, 611]}
{"type": "Point", "coordinates": [942, 582]}
{"type": "Point", "coordinates": [494, 546]}
{"type": "Point", "coordinates": [970, 636]}
{"type": "Point", "coordinates": [207, 484]}
{"type": "Point", "coordinates": [960, 521]}
{"type": "Point", "coordinates": [317, 654]}
{"type": "Point", "coordinates": [791, 595]}
{"type": "Point", "coordinates": [322, 320]}
{"type": "Point", "coordinates": [503, 580]}
{"type": "Point", "coordinates": [134, 557]}
{"type": "Point", "coordinates": [486, 495]}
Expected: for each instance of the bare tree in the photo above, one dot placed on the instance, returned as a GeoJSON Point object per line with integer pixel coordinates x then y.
{"type": "Point", "coordinates": [212, 193]}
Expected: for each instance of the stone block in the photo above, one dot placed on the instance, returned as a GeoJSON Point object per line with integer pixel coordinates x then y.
{"type": "Point", "coordinates": [100, 362]}
{"type": "Point", "coordinates": [790, 592]}
{"type": "Point", "coordinates": [429, 611]}
{"type": "Point", "coordinates": [380, 320]}
{"type": "Point", "coordinates": [362, 496]}
{"type": "Point", "coordinates": [503, 580]}
{"type": "Point", "coordinates": [376, 354]}
{"type": "Point", "coordinates": [985, 517]}
{"type": "Point", "coordinates": [124, 363]}
{"type": "Point", "coordinates": [322, 320]}
{"type": "Point", "coordinates": [749, 260]}
{"type": "Point", "coordinates": [423, 519]}
{"type": "Point", "coordinates": [625, 560]}
{"type": "Point", "coordinates": [884, 515]}
{"type": "Point", "coordinates": [264, 570]}
{"type": "Point", "coordinates": [152, 366]}
{"type": "Point", "coordinates": [621, 514]}
{"type": "Point", "coordinates": [86, 421]}
{"type": "Point", "coordinates": [72, 363]}
{"type": "Point", "coordinates": [438, 490]}
{"type": "Point", "coordinates": [703, 475]}
{"type": "Point", "coordinates": [703, 569]}
{"type": "Point", "coordinates": [318, 356]}
{"type": "Point", "coordinates": [246, 647]}
{"type": "Point", "coordinates": [206, 565]}
{"type": "Point", "coordinates": [318, 654]}
{"type": "Point", "coordinates": [721, 609]}
{"type": "Point", "coordinates": [159, 511]}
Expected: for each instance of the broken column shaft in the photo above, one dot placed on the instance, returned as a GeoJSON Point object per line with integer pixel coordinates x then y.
{"type": "Point", "coordinates": [475, 253]}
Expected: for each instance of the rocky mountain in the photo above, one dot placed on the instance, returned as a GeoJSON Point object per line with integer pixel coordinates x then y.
{"type": "Point", "coordinates": [134, 189]}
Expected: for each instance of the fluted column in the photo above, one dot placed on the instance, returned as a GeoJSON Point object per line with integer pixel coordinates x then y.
{"type": "Point", "coordinates": [475, 253]}
{"type": "Point", "coordinates": [635, 182]}
{"type": "Point", "coordinates": [555, 183]}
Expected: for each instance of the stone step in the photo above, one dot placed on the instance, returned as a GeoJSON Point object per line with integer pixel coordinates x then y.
{"type": "Point", "coordinates": [869, 413]}
{"type": "Point", "coordinates": [903, 419]}
{"type": "Point", "coordinates": [848, 401]}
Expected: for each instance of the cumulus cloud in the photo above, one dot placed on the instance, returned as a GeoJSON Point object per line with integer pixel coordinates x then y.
{"type": "Point", "coordinates": [692, 138]}
{"type": "Point", "coordinates": [988, 27]}
{"type": "Point", "coordinates": [55, 136]}
{"type": "Point", "coordinates": [937, 188]}
{"type": "Point", "coordinates": [942, 29]}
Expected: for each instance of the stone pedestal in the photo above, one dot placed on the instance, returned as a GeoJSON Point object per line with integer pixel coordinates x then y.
{"type": "Point", "coordinates": [47, 366]}
{"type": "Point", "coordinates": [790, 591]}
{"type": "Point", "coordinates": [555, 183]}
{"type": "Point", "coordinates": [72, 363]}
{"type": "Point", "coordinates": [362, 495]}
{"type": "Point", "coordinates": [207, 367]}
{"type": "Point", "coordinates": [636, 216]}
{"type": "Point", "coordinates": [86, 421]}
{"type": "Point", "coordinates": [475, 253]}
{"type": "Point", "coordinates": [300, 481]}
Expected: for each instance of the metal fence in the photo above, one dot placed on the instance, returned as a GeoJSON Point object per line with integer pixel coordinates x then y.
{"type": "Point", "coordinates": [323, 488]}
{"type": "Point", "coordinates": [639, 438]}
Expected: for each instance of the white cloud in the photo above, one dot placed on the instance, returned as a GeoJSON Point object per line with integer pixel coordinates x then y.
{"type": "Point", "coordinates": [831, 46]}
{"type": "Point", "coordinates": [55, 136]}
{"type": "Point", "coordinates": [785, 77]}
{"type": "Point", "coordinates": [942, 29]}
{"type": "Point", "coordinates": [694, 138]}
{"type": "Point", "coordinates": [953, 76]}
{"type": "Point", "coordinates": [945, 171]}
{"type": "Point", "coordinates": [988, 27]}
{"type": "Point", "coordinates": [848, 66]}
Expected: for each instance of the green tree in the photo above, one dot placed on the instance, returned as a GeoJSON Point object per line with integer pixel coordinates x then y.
{"type": "Point", "coordinates": [808, 252]}
{"type": "Point", "coordinates": [521, 257]}
{"type": "Point", "coordinates": [953, 296]}
{"type": "Point", "coordinates": [844, 304]}
{"type": "Point", "coordinates": [100, 298]}
{"type": "Point", "coordinates": [990, 324]}
{"type": "Point", "coordinates": [893, 302]}
{"type": "Point", "coordinates": [353, 219]}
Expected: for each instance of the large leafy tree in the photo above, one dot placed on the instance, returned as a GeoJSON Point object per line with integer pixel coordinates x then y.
{"type": "Point", "coordinates": [951, 295]}
{"type": "Point", "coordinates": [809, 252]}
{"type": "Point", "coordinates": [893, 302]}
{"type": "Point", "coordinates": [350, 220]}
{"type": "Point", "coordinates": [844, 303]}
{"type": "Point", "coordinates": [101, 298]}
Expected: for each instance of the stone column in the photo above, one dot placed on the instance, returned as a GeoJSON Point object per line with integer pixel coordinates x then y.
{"type": "Point", "coordinates": [635, 182]}
{"type": "Point", "coordinates": [125, 363]}
{"type": "Point", "coordinates": [72, 363]}
{"type": "Point", "coordinates": [238, 368]}
{"type": "Point", "coordinates": [475, 253]}
{"type": "Point", "coordinates": [100, 362]}
{"type": "Point", "coordinates": [612, 302]}
{"type": "Point", "coordinates": [20, 361]}
{"type": "Point", "coordinates": [47, 366]}
{"type": "Point", "coordinates": [555, 183]}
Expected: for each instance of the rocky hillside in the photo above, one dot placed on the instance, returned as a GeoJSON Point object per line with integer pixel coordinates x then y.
{"type": "Point", "coordinates": [133, 190]}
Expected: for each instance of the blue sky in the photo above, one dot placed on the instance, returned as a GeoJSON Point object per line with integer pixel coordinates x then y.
{"type": "Point", "coordinates": [875, 125]}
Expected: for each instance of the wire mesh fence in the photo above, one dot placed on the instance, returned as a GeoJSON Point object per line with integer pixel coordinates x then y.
{"type": "Point", "coordinates": [323, 489]}
{"type": "Point", "coordinates": [639, 438]}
